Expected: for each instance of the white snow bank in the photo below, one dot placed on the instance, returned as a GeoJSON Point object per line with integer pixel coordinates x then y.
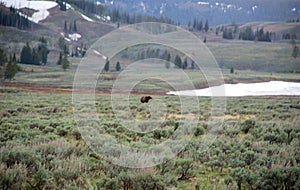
{"type": "Point", "coordinates": [87, 18]}
{"type": "Point", "coordinates": [272, 88]}
{"type": "Point", "coordinates": [203, 3]}
{"type": "Point", "coordinates": [100, 54]}
{"type": "Point", "coordinates": [75, 36]}
{"type": "Point", "coordinates": [40, 6]}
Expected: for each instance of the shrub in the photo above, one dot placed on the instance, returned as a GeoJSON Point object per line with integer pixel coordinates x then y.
{"type": "Point", "coordinates": [199, 131]}
{"type": "Point", "coordinates": [247, 125]}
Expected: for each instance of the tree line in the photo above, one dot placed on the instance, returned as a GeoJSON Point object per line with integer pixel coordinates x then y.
{"type": "Point", "coordinates": [91, 8]}
{"type": "Point", "coordinates": [11, 17]}
{"type": "Point", "coordinates": [247, 34]}
{"type": "Point", "coordinates": [198, 25]}
{"type": "Point", "coordinates": [72, 27]}
{"type": "Point", "coordinates": [35, 56]}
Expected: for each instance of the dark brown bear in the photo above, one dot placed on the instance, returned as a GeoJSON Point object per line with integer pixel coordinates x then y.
{"type": "Point", "coordinates": [145, 99]}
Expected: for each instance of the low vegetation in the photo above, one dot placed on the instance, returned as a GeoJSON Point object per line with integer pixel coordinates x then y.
{"type": "Point", "coordinates": [41, 147]}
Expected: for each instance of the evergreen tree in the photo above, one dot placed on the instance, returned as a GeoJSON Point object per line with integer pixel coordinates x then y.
{"type": "Point", "coordinates": [83, 51]}
{"type": "Point", "coordinates": [75, 26]}
{"type": "Point", "coordinates": [193, 65]}
{"type": "Point", "coordinates": [195, 23]}
{"type": "Point", "coordinates": [206, 27]}
{"type": "Point", "coordinates": [65, 64]}
{"type": "Point", "coordinates": [118, 66]}
{"type": "Point", "coordinates": [11, 70]}
{"type": "Point", "coordinates": [26, 54]}
{"type": "Point", "coordinates": [66, 27]}
{"type": "Point", "coordinates": [43, 50]}
{"type": "Point", "coordinates": [106, 66]}
{"type": "Point", "coordinates": [295, 52]}
{"type": "Point", "coordinates": [14, 58]}
{"type": "Point", "coordinates": [62, 5]}
{"type": "Point", "coordinates": [36, 60]}
{"type": "Point", "coordinates": [200, 25]}
{"type": "Point", "coordinates": [59, 58]}
{"type": "Point", "coordinates": [70, 28]}
{"type": "Point", "coordinates": [247, 34]}
{"type": "Point", "coordinates": [169, 57]}
{"type": "Point", "coordinates": [178, 61]}
{"type": "Point", "coordinates": [231, 70]}
{"type": "Point", "coordinates": [3, 57]}
{"type": "Point", "coordinates": [185, 64]}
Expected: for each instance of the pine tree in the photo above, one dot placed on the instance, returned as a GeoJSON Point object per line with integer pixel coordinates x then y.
{"type": "Point", "coordinates": [43, 50]}
{"type": "Point", "coordinates": [185, 64]}
{"type": "Point", "coordinates": [65, 64]}
{"type": "Point", "coordinates": [295, 52]}
{"type": "Point", "coordinates": [193, 65]}
{"type": "Point", "coordinates": [11, 70]}
{"type": "Point", "coordinates": [36, 60]}
{"type": "Point", "coordinates": [200, 25]}
{"type": "Point", "coordinates": [59, 58]}
{"type": "Point", "coordinates": [66, 27]}
{"type": "Point", "coordinates": [14, 58]}
{"type": "Point", "coordinates": [178, 61]}
{"type": "Point", "coordinates": [206, 27]}
{"type": "Point", "coordinates": [3, 57]}
{"type": "Point", "coordinates": [70, 28]}
{"type": "Point", "coordinates": [118, 66]}
{"type": "Point", "coordinates": [26, 54]}
{"type": "Point", "coordinates": [106, 66]}
{"type": "Point", "coordinates": [169, 57]}
{"type": "Point", "coordinates": [75, 26]}
{"type": "Point", "coordinates": [195, 23]}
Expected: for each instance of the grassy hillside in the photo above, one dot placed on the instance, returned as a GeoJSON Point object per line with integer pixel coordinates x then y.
{"type": "Point", "coordinates": [52, 28]}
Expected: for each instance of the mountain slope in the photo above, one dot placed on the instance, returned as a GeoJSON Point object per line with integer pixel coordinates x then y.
{"type": "Point", "coordinates": [217, 11]}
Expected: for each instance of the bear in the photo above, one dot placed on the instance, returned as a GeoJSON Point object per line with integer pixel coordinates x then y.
{"type": "Point", "coordinates": [145, 99]}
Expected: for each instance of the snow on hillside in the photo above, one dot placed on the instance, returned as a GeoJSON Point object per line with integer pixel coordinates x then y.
{"type": "Point", "coordinates": [272, 88]}
{"type": "Point", "coordinates": [87, 18]}
{"type": "Point", "coordinates": [40, 6]}
{"type": "Point", "coordinates": [74, 37]}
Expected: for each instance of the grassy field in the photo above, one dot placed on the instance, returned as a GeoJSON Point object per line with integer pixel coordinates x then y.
{"type": "Point", "coordinates": [41, 147]}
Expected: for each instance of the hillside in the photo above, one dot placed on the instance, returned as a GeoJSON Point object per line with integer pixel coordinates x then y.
{"type": "Point", "coordinates": [46, 19]}
{"type": "Point", "coordinates": [217, 11]}
{"type": "Point", "coordinates": [238, 54]}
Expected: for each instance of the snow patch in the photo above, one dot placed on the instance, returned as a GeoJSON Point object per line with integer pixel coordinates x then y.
{"type": "Point", "coordinates": [68, 6]}
{"type": "Point", "coordinates": [40, 6]}
{"type": "Point", "coordinates": [272, 88]}
{"type": "Point", "coordinates": [254, 7]}
{"type": "Point", "coordinates": [143, 6]}
{"type": "Point", "coordinates": [87, 18]}
{"type": "Point", "coordinates": [67, 39]}
{"type": "Point", "coordinates": [98, 3]}
{"type": "Point", "coordinates": [75, 36]}
{"type": "Point", "coordinates": [98, 53]}
{"type": "Point", "coordinates": [203, 3]}
{"type": "Point", "coordinates": [162, 8]}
